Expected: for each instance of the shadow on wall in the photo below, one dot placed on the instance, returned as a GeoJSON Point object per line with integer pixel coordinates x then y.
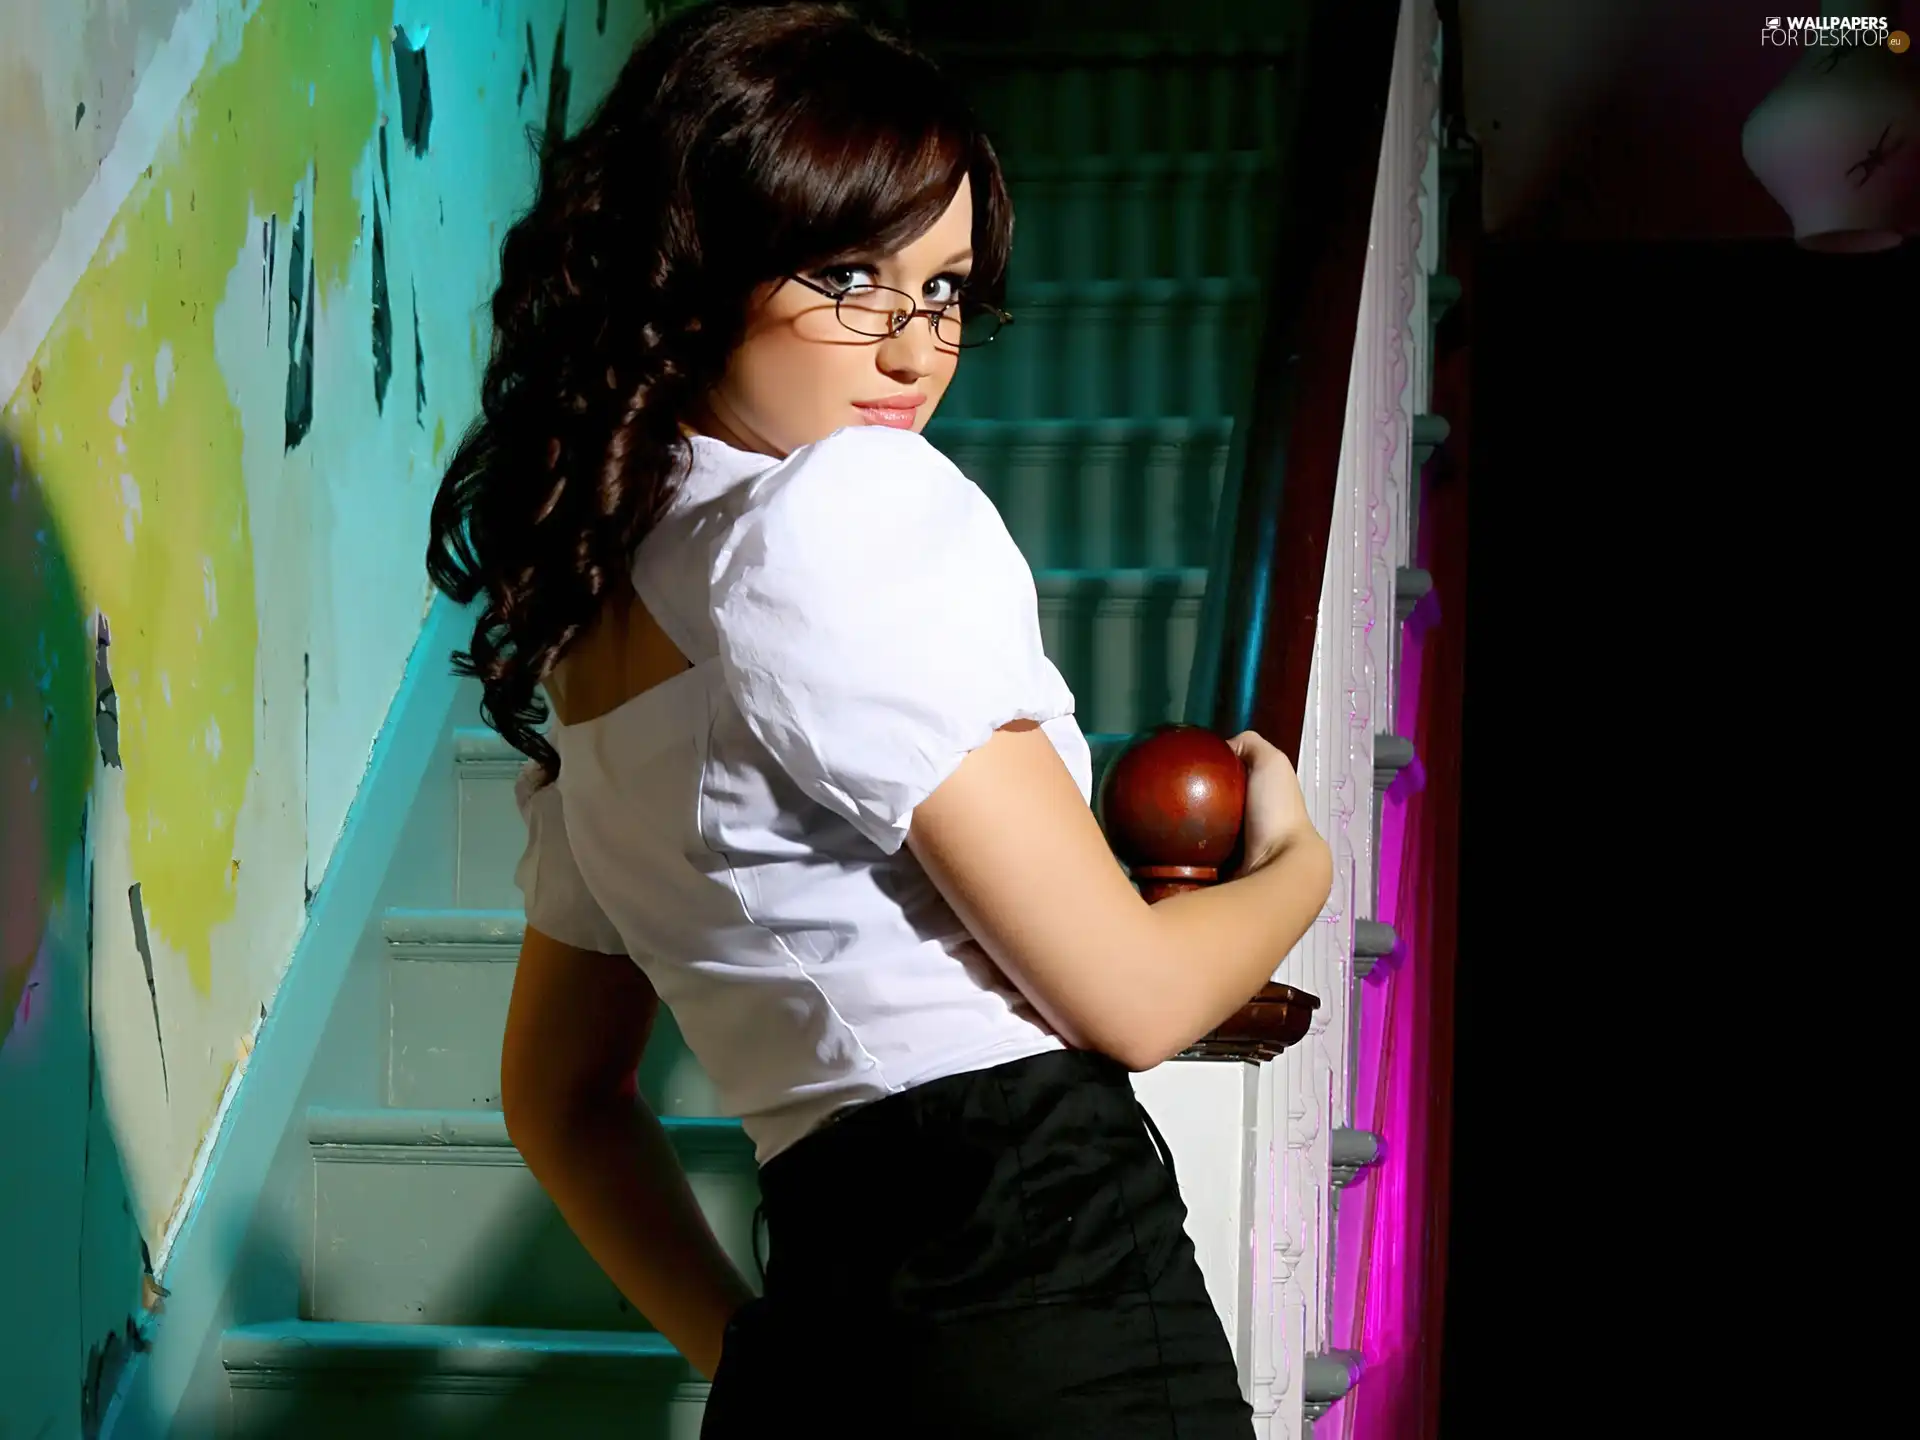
{"type": "Point", "coordinates": [73, 1266]}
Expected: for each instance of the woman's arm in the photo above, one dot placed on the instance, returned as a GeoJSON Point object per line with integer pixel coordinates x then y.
{"type": "Point", "coordinates": [1015, 850]}
{"type": "Point", "coordinates": [575, 1031]}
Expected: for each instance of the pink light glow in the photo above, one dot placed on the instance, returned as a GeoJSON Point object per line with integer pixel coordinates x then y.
{"type": "Point", "coordinates": [1379, 1240]}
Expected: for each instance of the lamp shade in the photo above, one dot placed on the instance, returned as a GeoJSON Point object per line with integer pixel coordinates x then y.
{"type": "Point", "coordinates": [1837, 144]}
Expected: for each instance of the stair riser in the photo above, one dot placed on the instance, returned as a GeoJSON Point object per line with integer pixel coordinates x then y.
{"type": "Point", "coordinates": [1192, 103]}
{"type": "Point", "coordinates": [445, 1024]}
{"type": "Point", "coordinates": [1099, 504]}
{"type": "Point", "coordinates": [471, 1239]}
{"type": "Point", "coordinates": [1189, 225]}
{"type": "Point", "coordinates": [492, 835]}
{"type": "Point", "coordinates": [1145, 360]}
{"type": "Point", "coordinates": [328, 1405]}
{"type": "Point", "coordinates": [1127, 660]}
{"type": "Point", "coordinates": [448, 1016]}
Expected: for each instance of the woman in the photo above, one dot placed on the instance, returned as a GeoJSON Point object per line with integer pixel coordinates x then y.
{"type": "Point", "coordinates": [811, 770]}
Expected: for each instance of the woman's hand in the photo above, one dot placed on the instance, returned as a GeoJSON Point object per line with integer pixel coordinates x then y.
{"type": "Point", "coordinates": [1276, 815]}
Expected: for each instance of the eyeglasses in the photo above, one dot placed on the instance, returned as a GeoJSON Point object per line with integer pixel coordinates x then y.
{"type": "Point", "coordinates": [880, 313]}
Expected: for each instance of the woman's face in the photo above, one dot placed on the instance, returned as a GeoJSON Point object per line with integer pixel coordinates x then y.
{"type": "Point", "coordinates": [799, 374]}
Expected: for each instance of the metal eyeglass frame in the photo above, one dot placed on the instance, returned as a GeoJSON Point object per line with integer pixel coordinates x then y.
{"type": "Point", "coordinates": [904, 318]}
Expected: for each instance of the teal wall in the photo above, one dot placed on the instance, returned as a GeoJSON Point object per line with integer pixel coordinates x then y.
{"type": "Point", "coordinates": [245, 252]}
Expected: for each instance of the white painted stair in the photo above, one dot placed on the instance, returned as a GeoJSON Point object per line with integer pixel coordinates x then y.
{"type": "Point", "coordinates": [497, 1252]}
{"type": "Point", "coordinates": [440, 1291]}
{"type": "Point", "coordinates": [450, 975]}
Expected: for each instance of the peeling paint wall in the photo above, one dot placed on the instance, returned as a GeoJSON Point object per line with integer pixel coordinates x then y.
{"type": "Point", "coordinates": [245, 252]}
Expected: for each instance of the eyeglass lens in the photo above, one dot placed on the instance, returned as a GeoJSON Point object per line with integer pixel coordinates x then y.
{"type": "Point", "coordinates": [871, 310]}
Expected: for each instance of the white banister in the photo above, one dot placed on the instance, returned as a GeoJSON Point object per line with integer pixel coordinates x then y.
{"type": "Point", "coordinates": [1349, 700]}
{"type": "Point", "coordinates": [1254, 1142]}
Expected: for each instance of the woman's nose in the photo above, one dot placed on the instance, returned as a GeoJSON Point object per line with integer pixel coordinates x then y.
{"type": "Point", "coordinates": [911, 353]}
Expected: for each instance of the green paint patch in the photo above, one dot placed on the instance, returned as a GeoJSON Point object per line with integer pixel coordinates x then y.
{"type": "Point", "coordinates": [130, 424]}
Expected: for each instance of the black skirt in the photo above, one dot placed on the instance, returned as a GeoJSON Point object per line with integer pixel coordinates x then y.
{"type": "Point", "coordinates": [999, 1255]}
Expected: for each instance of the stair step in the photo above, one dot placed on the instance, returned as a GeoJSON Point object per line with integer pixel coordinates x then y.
{"type": "Point", "coordinates": [449, 980]}
{"type": "Point", "coordinates": [987, 432]}
{"type": "Point", "coordinates": [280, 1347]}
{"type": "Point", "coordinates": [1098, 348]}
{"type": "Point", "coordinates": [449, 934]}
{"type": "Point", "coordinates": [450, 977]}
{"type": "Point", "coordinates": [1124, 641]}
{"type": "Point", "coordinates": [1147, 293]}
{"type": "Point", "coordinates": [1097, 494]}
{"type": "Point", "coordinates": [304, 1379]}
{"type": "Point", "coordinates": [480, 745]}
{"type": "Point", "coordinates": [1077, 494]}
{"type": "Point", "coordinates": [1096, 47]}
{"type": "Point", "coordinates": [1137, 583]}
{"type": "Point", "coordinates": [490, 834]}
{"type": "Point", "coordinates": [1124, 219]}
{"type": "Point", "coordinates": [1095, 107]}
{"type": "Point", "coordinates": [1126, 169]}
{"type": "Point", "coordinates": [431, 1217]}
{"type": "Point", "coordinates": [479, 1137]}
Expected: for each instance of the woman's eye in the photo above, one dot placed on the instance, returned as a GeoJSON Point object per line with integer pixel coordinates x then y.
{"type": "Point", "coordinates": [945, 289]}
{"type": "Point", "coordinates": [842, 278]}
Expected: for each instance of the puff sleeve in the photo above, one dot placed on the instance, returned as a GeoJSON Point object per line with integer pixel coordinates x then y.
{"type": "Point", "coordinates": [558, 902]}
{"type": "Point", "coordinates": [876, 623]}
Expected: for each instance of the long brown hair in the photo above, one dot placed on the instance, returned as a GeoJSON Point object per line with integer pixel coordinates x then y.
{"type": "Point", "coordinates": [740, 143]}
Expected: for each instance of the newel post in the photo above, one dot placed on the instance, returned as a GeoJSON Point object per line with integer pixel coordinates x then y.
{"type": "Point", "coordinates": [1172, 805]}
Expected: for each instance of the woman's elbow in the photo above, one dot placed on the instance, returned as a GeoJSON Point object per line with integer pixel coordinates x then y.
{"type": "Point", "coordinates": [528, 1117]}
{"type": "Point", "coordinates": [1138, 1042]}
{"type": "Point", "coordinates": [1148, 1052]}
{"type": "Point", "coordinates": [538, 1107]}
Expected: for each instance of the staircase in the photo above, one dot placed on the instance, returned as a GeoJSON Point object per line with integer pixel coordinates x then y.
{"type": "Point", "coordinates": [1143, 168]}
{"type": "Point", "coordinates": [439, 1293]}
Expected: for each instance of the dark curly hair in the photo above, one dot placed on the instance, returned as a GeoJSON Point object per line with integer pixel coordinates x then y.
{"type": "Point", "coordinates": [741, 143]}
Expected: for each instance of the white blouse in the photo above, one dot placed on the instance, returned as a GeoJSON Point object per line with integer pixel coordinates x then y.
{"type": "Point", "coordinates": [858, 619]}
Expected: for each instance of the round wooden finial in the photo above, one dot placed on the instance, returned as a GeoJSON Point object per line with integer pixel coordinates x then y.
{"type": "Point", "coordinates": [1172, 805]}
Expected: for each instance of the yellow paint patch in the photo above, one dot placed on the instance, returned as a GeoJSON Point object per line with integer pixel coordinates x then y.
{"type": "Point", "coordinates": [130, 424]}
{"type": "Point", "coordinates": [439, 436]}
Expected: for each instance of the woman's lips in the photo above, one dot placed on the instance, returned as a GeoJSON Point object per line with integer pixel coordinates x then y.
{"type": "Point", "coordinates": [896, 411]}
